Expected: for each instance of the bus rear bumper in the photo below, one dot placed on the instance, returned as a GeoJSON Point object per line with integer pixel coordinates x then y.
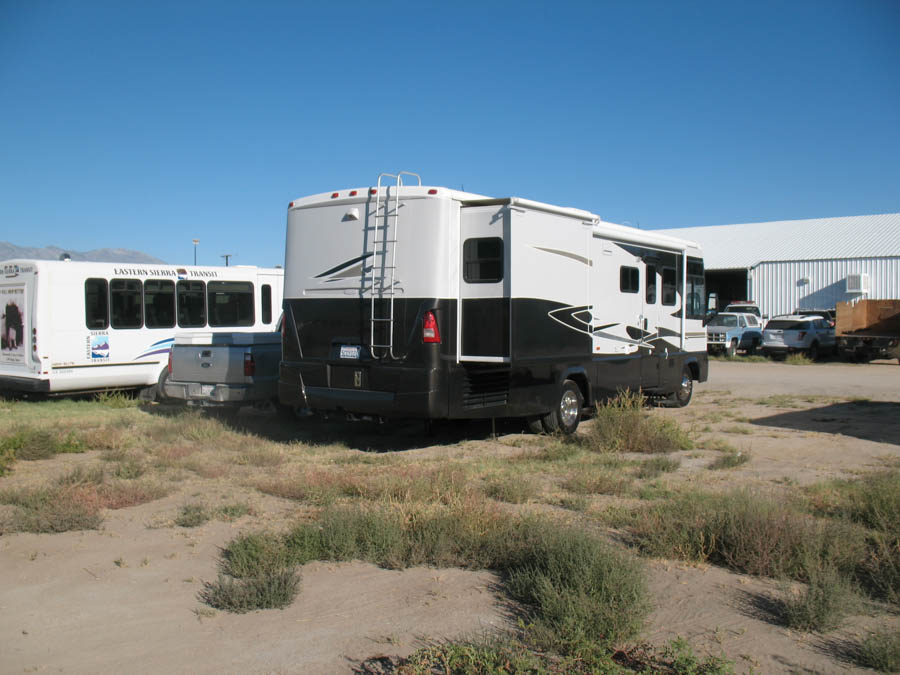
{"type": "Point", "coordinates": [23, 385]}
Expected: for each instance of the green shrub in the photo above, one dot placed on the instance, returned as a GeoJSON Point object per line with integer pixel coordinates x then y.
{"type": "Point", "coordinates": [591, 481]}
{"type": "Point", "coordinates": [33, 444]}
{"type": "Point", "coordinates": [823, 603]}
{"type": "Point", "coordinates": [117, 399]}
{"type": "Point", "coordinates": [747, 532]}
{"type": "Point", "coordinates": [729, 460]}
{"type": "Point", "coordinates": [192, 515]}
{"type": "Point", "coordinates": [51, 510]}
{"type": "Point", "coordinates": [577, 587]}
{"type": "Point", "coordinates": [881, 651]}
{"type": "Point", "coordinates": [656, 466]}
{"type": "Point", "coordinates": [512, 489]}
{"type": "Point", "coordinates": [623, 425]}
{"type": "Point", "coordinates": [270, 590]}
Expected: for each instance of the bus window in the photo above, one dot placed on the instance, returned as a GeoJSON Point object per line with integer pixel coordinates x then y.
{"type": "Point", "coordinates": [96, 305]}
{"type": "Point", "coordinates": [159, 304]}
{"type": "Point", "coordinates": [230, 303]}
{"type": "Point", "coordinates": [266, 303]}
{"type": "Point", "coordinates": [191, 304]}
{"type": "Point", "coordinates": [651, 285]}
{"type": "Point", "coordinates": [125, 297]}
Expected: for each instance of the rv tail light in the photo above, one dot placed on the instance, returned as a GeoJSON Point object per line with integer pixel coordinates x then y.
{"type": "Point", "coordinates": [430, 332]}
{"type": "Point", "coordinates": [291, 205]}
{"type": "Point", "coordinates": [170, 362]}
{"type": "Point", "coordinates": [34, 340]}
{"type": "Point", "coordinates": [249, 365]}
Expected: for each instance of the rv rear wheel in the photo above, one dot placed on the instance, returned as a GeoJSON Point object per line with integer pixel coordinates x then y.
{"type": "Point", "coordinates": [682, 396]}
{"type": "Point", "coordinates": [567, 413]}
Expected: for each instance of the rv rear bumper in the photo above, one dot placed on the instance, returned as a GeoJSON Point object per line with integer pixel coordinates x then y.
{"type": "Point", "coordinates": [24, 385]}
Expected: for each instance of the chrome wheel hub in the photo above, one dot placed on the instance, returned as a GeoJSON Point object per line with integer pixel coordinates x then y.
{"type": "Point", "coordinates": [568, 408]}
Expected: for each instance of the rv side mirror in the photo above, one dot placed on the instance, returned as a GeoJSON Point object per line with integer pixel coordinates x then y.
{"type": "Point", "coordinates": [712, 302]}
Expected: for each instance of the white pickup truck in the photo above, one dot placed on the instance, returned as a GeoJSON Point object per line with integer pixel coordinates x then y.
{"type": "Point", "coordinates": [224, 369]}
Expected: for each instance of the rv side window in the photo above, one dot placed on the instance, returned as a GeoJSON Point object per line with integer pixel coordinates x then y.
{"type": "Point", "coordinates": [266, 303]}
{"type": "Point", "coordinates": [668, 286]}
{"type": "Point", "coordinates": [483, 260]}
{"type": "Point", "coordinates": [696, 290]}
{"type": "Point", "coordinates": [191, 304]}
{"type": "Point", "coordinates": [230, 303]}
{"type": "Point", "coordinates": [125, 296]}
{"type": "Point", "coordinates": [159, 304]}
{"type": "Point", "coordinates": [96, 306]}
{"type": "Point", "coordinates": [629, 279]}
{"type": "Point", "coordinates": [651, 284]}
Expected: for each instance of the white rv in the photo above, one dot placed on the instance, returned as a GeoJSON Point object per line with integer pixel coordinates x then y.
{"type": "Point", "coordinates": [84, 326]}
{"type": "Point", "coordinates": [417, 301]}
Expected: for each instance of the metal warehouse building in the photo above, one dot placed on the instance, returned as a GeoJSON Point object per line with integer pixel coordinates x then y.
{"type": "Point", "coordinates": [807, 264]}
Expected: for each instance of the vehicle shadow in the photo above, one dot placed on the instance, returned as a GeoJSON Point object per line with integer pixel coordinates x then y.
{"type": "Point", "coordinates": [392, 435]}
{"type": "Point", "coordinates": [877, 421]}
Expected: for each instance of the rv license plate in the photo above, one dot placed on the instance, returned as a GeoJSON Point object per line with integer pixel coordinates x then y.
{"type": "Point", "coordinates": [349, 352]}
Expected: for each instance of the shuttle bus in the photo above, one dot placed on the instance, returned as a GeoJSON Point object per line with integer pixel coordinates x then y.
{"type": "Point", "coordinates": [85, 326]}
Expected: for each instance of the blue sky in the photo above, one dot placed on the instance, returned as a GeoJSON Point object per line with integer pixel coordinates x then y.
{"type": "Point", "coordinates": [145, 125]}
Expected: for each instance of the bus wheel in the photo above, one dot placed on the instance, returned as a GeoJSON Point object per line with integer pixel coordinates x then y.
{"type": "Point", "coordinates": [567, 413]}
{"type": "Point", "coordinates": [161, 386]}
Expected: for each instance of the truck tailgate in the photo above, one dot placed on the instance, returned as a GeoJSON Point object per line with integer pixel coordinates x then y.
{"type": "Point", "coordinates": [214, 358]}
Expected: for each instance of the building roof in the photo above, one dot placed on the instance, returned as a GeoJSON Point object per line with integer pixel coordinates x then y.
{"type": "Point", "coordinates": [748, 244]}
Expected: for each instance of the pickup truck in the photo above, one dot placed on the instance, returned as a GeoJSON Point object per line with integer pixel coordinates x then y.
{"type": "Point", "coordinates": [225, 370]}
{"type": "Point", "coordinates": [729, 331]}
{"type": "Point", "coordinates": [868, 329]}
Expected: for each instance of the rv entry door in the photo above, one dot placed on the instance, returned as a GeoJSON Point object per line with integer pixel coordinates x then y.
{"type": "Point", "coordinates": [483, 304]}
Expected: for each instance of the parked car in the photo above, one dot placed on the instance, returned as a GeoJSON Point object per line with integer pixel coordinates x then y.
{"type": "Point", "coordinates": [827, 314]}
{"type": "Point", "coordinates": [744, 307]}
{"type": "Point", "coordinates": [729, 331]}
{"type": "Point", "coordinates": [792, 333]}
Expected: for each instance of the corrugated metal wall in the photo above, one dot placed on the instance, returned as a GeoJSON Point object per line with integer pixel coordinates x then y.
{"type": "Point", "coordinates": [782, 287]}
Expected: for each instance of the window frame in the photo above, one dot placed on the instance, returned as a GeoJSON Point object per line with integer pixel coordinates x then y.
{"type": "Point", "coordinates": [630, 283]}
{"type": "Point", "coordinates": [182, 283]}
{"type": "Point", "coordinates": [469, 260]}
{"type": "Point", "coordinates": [105, 296]}
{"type": "Point", "coordinates": [161, 283]}
{"type": "Point", "coordinates": [137, 291]}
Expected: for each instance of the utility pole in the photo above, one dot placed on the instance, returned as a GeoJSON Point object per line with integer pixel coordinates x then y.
{"type": "Point", "coordinates": [196, 241]}
{"type": "Point", "coordinates": [227, 256]}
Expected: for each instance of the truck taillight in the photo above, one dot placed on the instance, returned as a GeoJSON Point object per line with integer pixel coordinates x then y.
{"type": "Point", "coordinates": [249, 365]}
{"type": "Point", "coordinates": [430, 332]}
{"type": "Point", "coordinates": [34, 340]}
{"type": "Point", "coordinates": [170, 362]}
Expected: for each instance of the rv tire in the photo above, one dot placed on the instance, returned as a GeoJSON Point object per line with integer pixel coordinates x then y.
{"type": "Point", "coordinates": [567, 413]}
{"type": "Point", "coordinates": [534, 425]}
{"type": "Point", "coordinates": [682, 395]}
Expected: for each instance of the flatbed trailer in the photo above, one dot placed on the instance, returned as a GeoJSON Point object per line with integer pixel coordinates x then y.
{"type": "Point", "coordinates": [868, 330]}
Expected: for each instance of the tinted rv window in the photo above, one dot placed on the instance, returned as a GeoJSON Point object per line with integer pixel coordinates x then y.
{"type": "Point", "coordinates": [483, 260]}
{"type": "Point", "coordinates": [159, 304]}
{"type": "Point", "coordinates": [651, 284]}
{"type": "Point", "coordinates": [125, 300]}
{"type": "Point", "coordinates": [696, 290]}
{"type": "Point", "coordinates": [191, 304]}
{"type": "Point", "coordinates": [668, 286]}
{"type": "Point", "coordinates": [267, 303]}
{"type": "Point", "coordinates": [96, 307]}
{"type": "Point", "coordinates": [230, 303]}
{"type": "Point", "coordinates": [629, 279]}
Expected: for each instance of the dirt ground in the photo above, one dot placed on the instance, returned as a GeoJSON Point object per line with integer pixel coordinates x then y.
{"type": "Point", "coordinates": [124, 598]}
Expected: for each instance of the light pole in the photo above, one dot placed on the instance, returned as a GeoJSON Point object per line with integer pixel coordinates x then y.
{"type": "Point", "coordinates": [227, 256]}
{"type": "Point", "coordinates": [196, 241]}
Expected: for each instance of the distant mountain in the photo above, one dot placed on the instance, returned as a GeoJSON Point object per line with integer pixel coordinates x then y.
{"type": "Point", "coordinates": [9, 251]}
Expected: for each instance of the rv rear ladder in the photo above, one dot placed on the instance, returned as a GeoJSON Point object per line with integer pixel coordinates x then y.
{"type": "Point", "coordinates": [384, 244]}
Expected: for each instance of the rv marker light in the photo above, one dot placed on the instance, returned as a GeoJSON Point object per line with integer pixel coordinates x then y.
{"type": "Point", "coordinates": [430, 332]}
{"type": "Point", "coordinates": [334, 195]}
{"type": "Point", "coordinates": [372, 191]}
{"type": "Point", "coordinates": [352, 193]}
{"type": "Point", "coordinates": [432, 191]}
